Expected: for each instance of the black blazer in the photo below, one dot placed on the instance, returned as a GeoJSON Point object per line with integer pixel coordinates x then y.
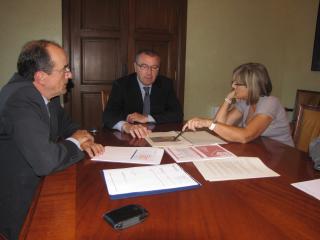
{"type": "Point", "coordinates": [31, 145]}
{"type": "Point", "coordinates": [126, 98]}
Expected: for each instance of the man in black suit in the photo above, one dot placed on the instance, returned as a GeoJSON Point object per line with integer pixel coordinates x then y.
{"type": "Point", "coordinates": [36, 136]}
{"type": "Point", "coordinates": [142, 97]}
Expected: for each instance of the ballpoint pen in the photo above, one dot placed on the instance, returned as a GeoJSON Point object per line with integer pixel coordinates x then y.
{"type": "Point", "coordinates": [134, 153]}
{"type": "Point", "coordinates": [176, 137]}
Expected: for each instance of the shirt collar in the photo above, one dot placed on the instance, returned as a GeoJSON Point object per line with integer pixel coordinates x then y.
{"type": "Point", "coordinates": [46, 101]}
{"type": "Point", "coordinates": [141, 85]}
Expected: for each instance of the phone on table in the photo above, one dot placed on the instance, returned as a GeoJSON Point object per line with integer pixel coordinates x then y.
{"type": "Point", "coordinates": [126, 216]}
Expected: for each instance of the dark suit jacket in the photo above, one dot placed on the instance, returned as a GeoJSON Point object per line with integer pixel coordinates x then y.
{"type": "Point", "coordinates": [30, 147]}
{"type": "Point", "coordinates": [126, 98]}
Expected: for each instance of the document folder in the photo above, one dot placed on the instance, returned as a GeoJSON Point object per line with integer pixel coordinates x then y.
{"type": "Point", "coordinates": [147, 180]}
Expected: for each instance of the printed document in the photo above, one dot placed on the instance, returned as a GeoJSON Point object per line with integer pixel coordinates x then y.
{"type": "Point", "coordinates": [136, 181]}
{"type": "Point", "coordinates": [166, 139]}
{"type": "Point", "coordinates": [202, 138]}
{"type": "Point", "coordinates": [139, 155]}
{"type": "Point", "coordinates": [234, 168]}
{"type": "Point", "coordinates": [198, 153]}
{"type": "Point", "coordinates": [311, 187]}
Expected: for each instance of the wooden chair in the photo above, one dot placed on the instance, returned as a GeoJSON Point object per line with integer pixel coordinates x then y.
{"type": "Point", "coordinates": [104, 99]}
{"type": "Point", "coordinates": [307, 126]}
{"type": "Point", "coordinates": [305, 97]}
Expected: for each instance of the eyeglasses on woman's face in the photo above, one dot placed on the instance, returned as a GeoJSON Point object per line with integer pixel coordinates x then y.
{"type": "Point", "coordinates": [237, 84]}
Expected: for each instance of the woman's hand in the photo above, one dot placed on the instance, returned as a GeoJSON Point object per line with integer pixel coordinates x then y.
{"type": "Point", "coordinates": [195, 123]}
{"type": "Point", "coordinates": [231, 95]}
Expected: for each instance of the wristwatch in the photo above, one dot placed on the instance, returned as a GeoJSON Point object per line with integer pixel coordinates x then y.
{"type": "Point", "coordinates": [212, 126]}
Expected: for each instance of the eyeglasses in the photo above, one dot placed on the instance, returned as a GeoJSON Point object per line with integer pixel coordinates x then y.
{"type": "Point", "coordinates": [65, 69]}
{"type": "Point", "coordinates": [145, 67]}
{"type": "Point", "coordinates": [235, 83]}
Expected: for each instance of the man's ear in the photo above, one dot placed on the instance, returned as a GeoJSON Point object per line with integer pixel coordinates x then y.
{"type": "Point", "coordinates": [39, 77]}
{"type": "Point", "coordinates": [135, 66]}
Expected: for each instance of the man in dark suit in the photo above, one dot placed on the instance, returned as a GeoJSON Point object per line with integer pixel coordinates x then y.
{"type": "Point", "coordinates": [142, 97]}
{"type": "Point", "coordinates": [36, 136]}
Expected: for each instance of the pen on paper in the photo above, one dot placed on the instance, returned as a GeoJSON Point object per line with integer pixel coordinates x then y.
{"type": "Point", "coordinates": [134, 154]}
{"type": "Point", "coordinates": [176, 137]}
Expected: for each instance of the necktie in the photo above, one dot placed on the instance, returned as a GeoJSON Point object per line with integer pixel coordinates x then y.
{"type": "Point", "coordinates": [146, 101]}
{"type": "Point", "coordinates": [48, 109]}
{"type": "Point", "coordinates": [53, 128]}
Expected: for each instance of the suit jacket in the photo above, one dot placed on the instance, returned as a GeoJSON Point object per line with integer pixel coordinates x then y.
{"type": "Point", "coordinates": [31, 145]}
{"type": "Point", "coordinates": [126, 98]}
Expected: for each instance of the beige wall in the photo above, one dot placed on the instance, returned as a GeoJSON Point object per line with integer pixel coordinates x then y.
{"type": "Point", "coordinates": [21, 21]}
{"type": "Point", "coordinates": [224, 34]}
{"type": "Point", "coordinates": [220, 36]}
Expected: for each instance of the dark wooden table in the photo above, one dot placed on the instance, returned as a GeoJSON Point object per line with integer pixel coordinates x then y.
{"type": "Point", "coordinates": [70, 204]}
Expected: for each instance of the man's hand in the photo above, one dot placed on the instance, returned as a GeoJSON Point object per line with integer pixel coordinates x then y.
{"type": "Point", "coordinates": [137, 117]}
{"type": "Point", "coordinates": [136, 131]}
{"type": "Point", "coordinates": [92, 148]}
{"type": "Point", "coordinates": [82, 136]}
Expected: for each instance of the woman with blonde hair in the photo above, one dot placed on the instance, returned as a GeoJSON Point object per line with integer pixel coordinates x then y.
{"type": "Point", "coordinates": [248, 111]}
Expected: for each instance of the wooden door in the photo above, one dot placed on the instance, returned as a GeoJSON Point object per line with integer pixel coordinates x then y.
{"type": "Point", "coordinates": [160, 25]}
{"type": "Point", "coordinates": [102, 37]}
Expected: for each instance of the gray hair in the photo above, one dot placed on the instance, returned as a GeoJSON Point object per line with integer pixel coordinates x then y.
{"type": "Point", "coordinates": [255, 76]}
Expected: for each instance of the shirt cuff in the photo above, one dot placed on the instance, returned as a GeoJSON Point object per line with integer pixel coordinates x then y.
{"type": "Point", "coordinates": [75, 141]}
{"type": "Point", "coordinates": [118, 125]}
{"type": "Point", "coordinates": [151, 119]}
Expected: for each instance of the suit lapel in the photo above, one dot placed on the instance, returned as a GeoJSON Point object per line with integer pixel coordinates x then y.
{"type": "Point", "coordinates": [53, 122]}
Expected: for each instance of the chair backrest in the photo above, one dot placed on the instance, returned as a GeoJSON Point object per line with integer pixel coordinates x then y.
{"type": "Point", "coordinates": [305, 97]}
{"type": "Point", "coordinates": [104, 99]}
{"type": "Point", "coordinates": [307, 126]}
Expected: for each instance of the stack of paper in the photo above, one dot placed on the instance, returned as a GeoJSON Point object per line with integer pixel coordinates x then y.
{"type": "Point", "coordinates": [198, 153]}
{"type": "Point", "coordinates": [137, 181]}
{"type": "Point", "coordinates": [166, 139]}
{"type": "Point", "coordinates": [140, 155]}
{"type": "Point", "coordinates": [234, 168]}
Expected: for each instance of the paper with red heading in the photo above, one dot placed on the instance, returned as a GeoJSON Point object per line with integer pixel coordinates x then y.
{"type": "Point", "coordinates": [198, 153]}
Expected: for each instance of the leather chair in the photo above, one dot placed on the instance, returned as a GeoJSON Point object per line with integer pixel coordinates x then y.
{"type": "Point", "coordinates": [104, 99]}
{"type": "Point", "coordinates": [305, 97]}
{"type": "Point", "coordinates": [307, 126]}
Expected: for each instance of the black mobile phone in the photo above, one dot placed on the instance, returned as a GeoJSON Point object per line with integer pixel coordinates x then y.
{"type": "Point", "coordinates": [126, 216]}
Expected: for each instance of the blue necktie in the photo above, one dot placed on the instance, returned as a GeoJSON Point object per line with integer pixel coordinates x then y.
{"type": "Point", "coordinates": [146, 101]}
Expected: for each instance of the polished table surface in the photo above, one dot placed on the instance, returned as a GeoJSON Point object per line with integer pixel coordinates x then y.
{"type": "Point", "coordinates": [70, 203]}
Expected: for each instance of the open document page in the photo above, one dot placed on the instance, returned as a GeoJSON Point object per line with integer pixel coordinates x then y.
{"type": "Point", "coordinates": [139, 155]}
{"type": "Point", "coordinates": [311, 187]}
{"type": "Point", "coordinates": [137, 181]}
{"type": "Point", "coordinates": [234, 168]}
{"type": "Point", "coordinates": [198, 153]}
{"type": "Point", "coordinates": [202, 138]}
{"type": "Point", "coordinates": [165, 139]}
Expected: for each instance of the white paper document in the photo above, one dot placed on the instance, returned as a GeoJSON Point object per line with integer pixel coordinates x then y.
{"type": "Point", "coordinates": [311, 187]}
{"type": "Point", "coordinates": [198, 153]}
{"type": "Point", "coordinates": [202, 138]}
{"type": "Point", "coordinates": [137, 181]}
{"type": "Point", "coordinates": [166, 139]}
{"type": "Point", "coordinates": [139, 155]}
{"type": "Point", "coordinates": [234, 168]}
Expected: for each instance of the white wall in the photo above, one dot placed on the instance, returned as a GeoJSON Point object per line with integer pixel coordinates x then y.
{"type": "Point", "coordinates": [224, 34]}
{"type": "Point", "coordinates": [22, 21]}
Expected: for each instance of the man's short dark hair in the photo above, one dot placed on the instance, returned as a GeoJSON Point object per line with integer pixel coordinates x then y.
{"type": "Point", "coordinates": [34, 57]}
{"type": "Point", "coordinates": [149, 52]}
